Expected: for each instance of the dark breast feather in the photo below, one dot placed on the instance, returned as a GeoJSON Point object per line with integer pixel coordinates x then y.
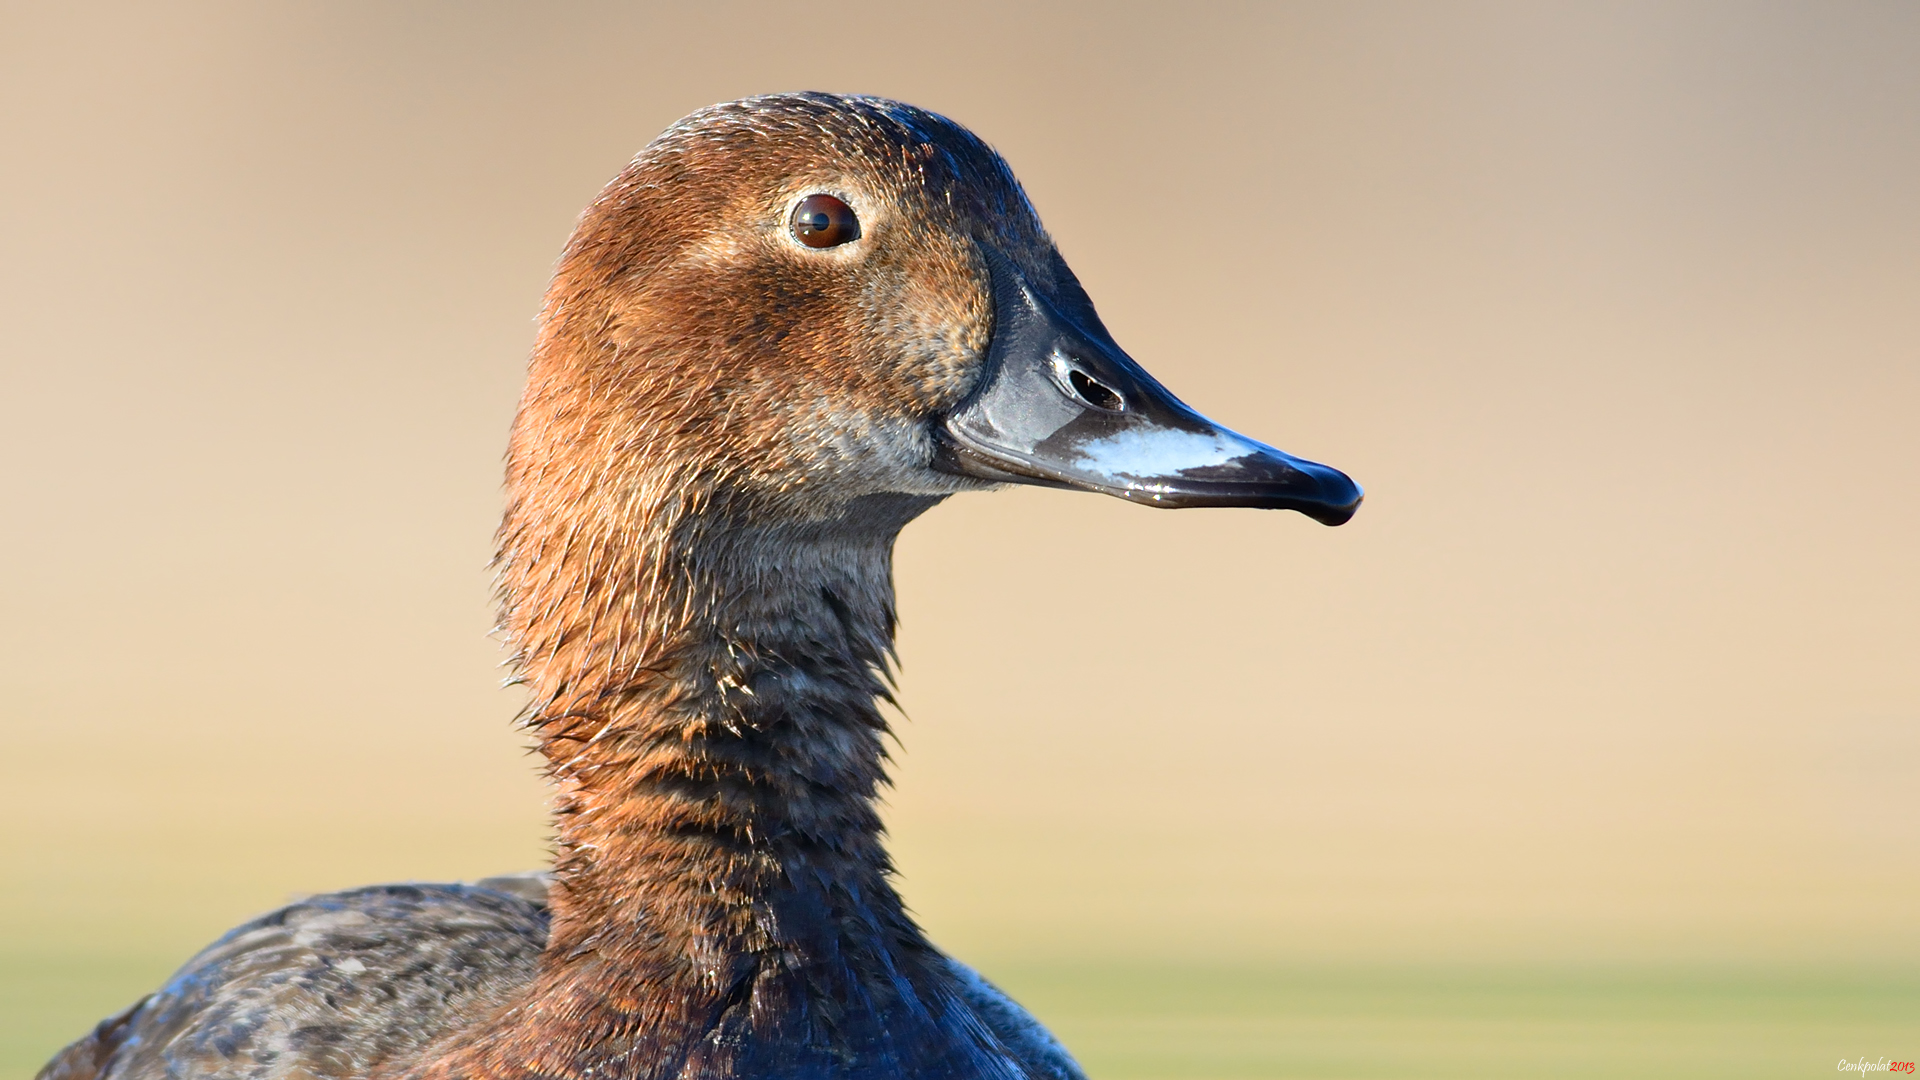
{"type": "Point", "coordinates": [331, 986]}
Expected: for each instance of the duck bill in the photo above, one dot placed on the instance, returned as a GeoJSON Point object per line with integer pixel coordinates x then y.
{"type": "Point", "coordinates": [1060, 405]}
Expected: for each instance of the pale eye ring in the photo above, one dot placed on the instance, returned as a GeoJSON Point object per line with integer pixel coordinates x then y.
{"type": "Point", "coordinates": [822, 221]}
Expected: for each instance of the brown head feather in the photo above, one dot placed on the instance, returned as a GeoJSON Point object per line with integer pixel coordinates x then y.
{"type": "Point", "coordinates": [723, 431]}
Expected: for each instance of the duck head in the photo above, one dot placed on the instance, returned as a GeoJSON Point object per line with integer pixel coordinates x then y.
{"type": "Point", "coordinates": [789, 303]}
{"type": "Point", "coordinates": [790, 325]}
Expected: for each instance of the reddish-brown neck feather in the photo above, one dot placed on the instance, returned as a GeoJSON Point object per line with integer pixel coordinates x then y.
{"type": "Point", "coordinates": [706, 669]}
{"type": "Point", "coordinates": [696, 582]}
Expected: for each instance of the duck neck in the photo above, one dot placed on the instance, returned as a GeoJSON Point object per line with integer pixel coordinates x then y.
{"type": "Point", "coordinates": [708, 702]}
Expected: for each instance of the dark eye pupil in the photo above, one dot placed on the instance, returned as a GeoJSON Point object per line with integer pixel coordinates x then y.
{"type": "Point", "coordinates": [822, 221]}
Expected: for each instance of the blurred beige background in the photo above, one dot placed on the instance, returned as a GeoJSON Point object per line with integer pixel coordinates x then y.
{"type": "Point", "coordinates": [1614, 309]}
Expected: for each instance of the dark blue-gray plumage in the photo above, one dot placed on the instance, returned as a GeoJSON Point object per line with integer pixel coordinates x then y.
{"type": "Point", "coordinates": [333, 985]}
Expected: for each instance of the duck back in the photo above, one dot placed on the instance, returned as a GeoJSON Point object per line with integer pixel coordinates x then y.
{"type": "Point", "coordinates": [328, 986]}
{"type": "Point", "coordinates": [348, 984]}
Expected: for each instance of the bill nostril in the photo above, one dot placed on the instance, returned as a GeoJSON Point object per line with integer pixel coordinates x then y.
{"type": "Point", "coordinates": [1091, 391]}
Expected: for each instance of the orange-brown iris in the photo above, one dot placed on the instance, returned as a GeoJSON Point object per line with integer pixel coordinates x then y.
{"type": "Point", "coordinates": [822, 221]}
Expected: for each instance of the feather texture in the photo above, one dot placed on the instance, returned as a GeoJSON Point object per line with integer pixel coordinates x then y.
{"type": "Point", "coordinates": [723, 432]}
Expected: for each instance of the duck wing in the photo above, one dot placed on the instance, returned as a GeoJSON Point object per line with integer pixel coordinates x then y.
{"type": "Point", "coordinates": [332, 985]}
{"type": "Point", "coordinates": [327, 987]}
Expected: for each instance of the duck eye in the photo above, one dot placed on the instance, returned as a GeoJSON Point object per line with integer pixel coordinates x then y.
{"type": "Point", "coordinates": [822, 221]}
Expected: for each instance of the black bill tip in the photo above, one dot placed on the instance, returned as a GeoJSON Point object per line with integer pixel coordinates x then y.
{"type": "Point", "coordinates": [1266, 479]}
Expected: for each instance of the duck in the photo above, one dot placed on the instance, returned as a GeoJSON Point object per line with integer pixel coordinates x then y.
{"type": "Point", "coordinates": [791, 325]}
